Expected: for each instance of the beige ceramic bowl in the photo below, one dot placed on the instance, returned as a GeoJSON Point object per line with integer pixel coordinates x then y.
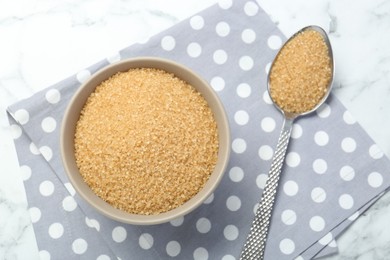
{"type": "Point", "coordinates": [71, 116]}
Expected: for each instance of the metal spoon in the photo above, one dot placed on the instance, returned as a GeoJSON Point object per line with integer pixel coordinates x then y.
{"type": "Point", "coordinates": [255, 244]}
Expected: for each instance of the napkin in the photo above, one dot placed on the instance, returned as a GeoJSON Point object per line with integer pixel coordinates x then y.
{"type": "Point", "coordinates": [333, 170]}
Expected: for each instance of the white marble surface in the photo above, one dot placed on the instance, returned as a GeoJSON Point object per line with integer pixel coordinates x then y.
{"type": "Point", "coordinates": [42, 42]}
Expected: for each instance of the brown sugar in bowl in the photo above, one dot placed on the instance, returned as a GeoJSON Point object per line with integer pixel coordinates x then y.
{"type": "Point", "coordinates": [91, 151]}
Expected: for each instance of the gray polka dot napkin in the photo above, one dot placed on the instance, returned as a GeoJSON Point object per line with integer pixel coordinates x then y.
{"type": "Point", "coordinates": [333, 170]}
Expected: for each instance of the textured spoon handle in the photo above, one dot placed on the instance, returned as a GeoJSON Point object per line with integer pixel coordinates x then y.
{"type": "Point", "coordinates": [255, 244]}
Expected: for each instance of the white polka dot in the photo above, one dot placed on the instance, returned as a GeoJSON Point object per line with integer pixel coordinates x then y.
{"type": "Point", "coordinates": [201, 253]}
{"type": "Point", "coordinates": [197, 22]}
{"type": "Point", "coordinates": [48, 124]}
{"type": "Point", "coordinates": [46, 152]}
{"type": "Point", "coordinates": [244, 90]}
{"type": "Point", "coordinates": [323, 111]}
{"type": "Point", "coordinates": [233, 203]}
{"type": "Point", "coordinates": [299, 258]}
{"type": "Point", "coordinates": [266, 152]}
{"type": "Point", "coordinates": [22, 116]}
{"type": "Point", "coordinates": [145, 241]}
{"type": "Point", "coordinates": [346, 201]}
{"type": "Point", "coordinates": [194, 49]}
{"type": "Point", "coordinates": [375, 179]}
{"type": "Point", "coordinates": [318, 194]}
{"type": "Point", "coordinates": [173, 248]}
{"type": "Point", "coordinates": [246, 63]}
{"type": "Point", "coordinates": [114, 57]}
{"type": "Point", "coordinates": [228, 257]}
{"type": "Point", "coordinates": [222, 29]}
{"type": "Point", "coordinates": [44, 255]}
{"type": "Point", "coordinates": [317, 223]}
{"type": "Point", "coordinates": [34, 149]}
{"type": "Point", "coordinates": [56, 230]}
{"type": "Point", "coordinates": [267, 67]}
{"type": "Point", "coordinates": [69, 204]}
{"type": "Point", "coordinates": [83, 76]}
{"type": "Point", "coordinates": [248, 36]}
{"type": "Point", "coordinates": [209, 199]}
{"type": "Point", "coordinates": [177, 222]}
{"type": "Point", "coordinates": [321, 138]}
{"type": "Point", "coordinates": [239, 145]}
{"type": "Point", "coordinates": [230, 232]}
{"type": "Point", "coordinates": [79, 246]}
{"type": "Point", "coordinates": [25, 172]}
{"type": "Point", "coordinates": [267, 99]}
{"type": "Point", "coordinates": [203, 225]}
{"type": "Point", "coordinates": [289, 217]}
{"type": "Point", "coordinates": [291, 188]}
{"type": "Point", "coordinates": [261, 180]}
{"type": "Point", "coordinates": [251, 8]}
{"type": "Point", "coordinates": [217, 83]}
{"type": "Point", "coordinates": [347, 173]}
{"type": "Point", "coordinates": [103, 257]}
{"type": "Point", "coordinates": [16, 131]}
{"type": "Point", "coordinates": [354, 216]}
{"type": "Point", "coordinates": [255, 208]}
{"type": "Point", "coordinates": [375, 152]}
{"type": "Point", "coordinates": [46, 188]}
{"type": "Point", "coordinates": [70, 188]}
{"type": "Point", "coordinates": [119, 234]}
{"type": "Point", "coordinates": [236, 174]}
{"type": "Point", "coordinates": [326, 239]}
{"type": "Point", "coordinates": [168, 43]}
{"type": "Point", "coordinates": [348, 118]}
{"type": "Point", "coordinates": [241, 117]}
{"type": "Point", "coordinates": [220, 57]}
{"type": "Point", "coordinates": [333, 244]}
{"type": "Point", "coordinates": [225, 4]}
{"type": "Point", "coordinates": [293, 159]}
{"type": "Point", "coordinates": [287, 246]}
{"type": "Point", "coordinates": [296, 131]}
{"type": "Point", "coordinates": [274, 42]}
{"type": "Point", "coordinates": [320, 166]}
{"type": "Point", "coordinates": [92, 223]}
{"type": "Point", "coordinates": [348, 145]}
{"type": "Point", "coordinates": [35, 214]}
{"type": "Point", "coordinates": [268, 124]}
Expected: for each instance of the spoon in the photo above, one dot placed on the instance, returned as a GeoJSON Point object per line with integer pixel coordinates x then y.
{"type": "Point", "coordinates": [254, 246]}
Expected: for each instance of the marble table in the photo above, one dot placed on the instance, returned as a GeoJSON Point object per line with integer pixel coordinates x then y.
{"type": "Point", "coordinates": [80, 33]}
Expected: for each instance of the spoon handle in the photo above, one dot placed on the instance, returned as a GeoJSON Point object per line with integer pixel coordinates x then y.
{"type": "Point", "coordinates": [255, 244]}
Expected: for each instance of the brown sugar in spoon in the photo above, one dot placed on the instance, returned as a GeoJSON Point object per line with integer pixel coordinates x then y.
{"type": "Point", "coordinates": [299, 81]}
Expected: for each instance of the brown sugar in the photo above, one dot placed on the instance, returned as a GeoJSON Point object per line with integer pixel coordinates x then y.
{"type": "Point", "coordinates": [146, 141]}
{"type": "Point", "coordinates": [301, 73]}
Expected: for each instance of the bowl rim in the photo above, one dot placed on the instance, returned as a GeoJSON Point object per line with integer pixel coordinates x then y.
{"type": "Point", "coordinates": [114, 213]}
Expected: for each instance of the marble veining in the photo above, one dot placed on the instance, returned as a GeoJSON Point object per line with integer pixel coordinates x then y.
{"type": "Point", "coordinates": [16, 236]}
{"type": "Point", "coordinates": [358, 243]}
{"type": "Point", "coordinates": [82, 32]}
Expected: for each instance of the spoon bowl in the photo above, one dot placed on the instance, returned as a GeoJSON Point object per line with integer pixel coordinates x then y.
{"type": "Point", "coordinates": [331, 63]}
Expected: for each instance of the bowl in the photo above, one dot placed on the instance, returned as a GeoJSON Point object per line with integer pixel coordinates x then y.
{"type": "Point", "coordinates": [72, 115]}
